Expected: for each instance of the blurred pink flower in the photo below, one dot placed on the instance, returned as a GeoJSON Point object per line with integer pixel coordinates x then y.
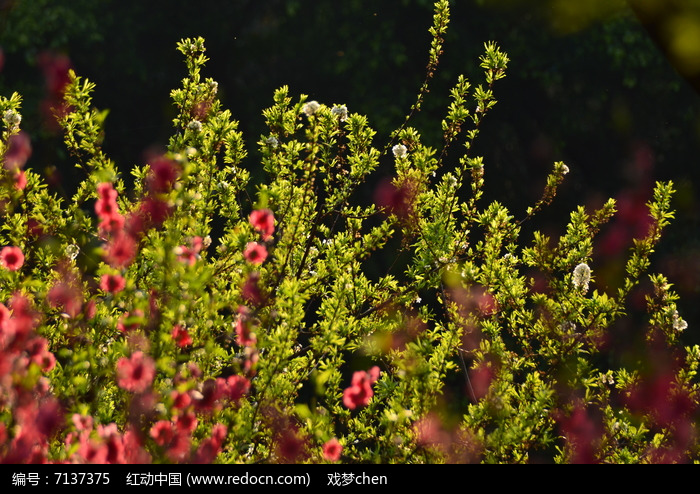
{"type": "Point", "coordinates": [11, 258]}
{"type": "Point", "coordinates": [332, 450]}
{"type": "Point", "coordinates": [255, 253]}
{"type": "Point", "coordinates": [263, 221]}
{"type": "Point", "coordinates": [360, 391]}
{"type": "Point", "coordinates": [135, 373]}
{"type": "Point", "coordinates": [112, 283]}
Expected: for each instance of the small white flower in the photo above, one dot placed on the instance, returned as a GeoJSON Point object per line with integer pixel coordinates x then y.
{"type": "Point", "coordinates": [272, 142]}
{"type": "Point", "coordinates": [12, 118]}
{"type": "Point", "coordinates": [582, 276]}
{"type": "Point", "coordinates": [399, 150]}
{"type": "Point", "coordinates": [195, 126]}
{"type": "Point", "coordinates": [72, 251]}
{"type": "Point", "coordinates": [310, 108]}
{"type": "Point", "coordinates": [564, 169]}
{"type": "Point", "coordinates": [678, 323]}
{"type": "Point", "coordinates": [340, 111]}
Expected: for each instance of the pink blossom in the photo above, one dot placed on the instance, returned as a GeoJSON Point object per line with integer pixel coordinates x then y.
{"type": "Point", "coordinates": [187, 422]}
{"type": "Point", "coordinates": [237, 387]}
{"type": "Point", "coordinates": [154, 212]}
{"type": "Point", "coordinates": [19, 151]}
{"type": "Point", "coordinates": [255, 253]}
{"type": "Point", "coordinates": [180, 400]}
{"type": "Point", "coordinates": [181, 336]}
{"type": "Point", "coordinates": [163, 174]}
{"type": "Point", "coordinates": [20, 180]}
{"type": "Point", "coordinates": [121, 250]}
{"type": "Point", "coordinates": [263, 221]}
{"type": "Point", "coordinates": [251, 291]}
{"type": "Point", "coordinates": [106, 204]}
{"type": "Point", "coordinates": [4, 316]}
{"type": "Point", "coordinates": [11, 258]}
{"type": "Point", "coordinates": [190, 254]}
{"type": "Point", "coordinates": [162, 432]}
{"type": "Point", "coordinates": [82, 422]}
{"type": "Point", "coordinates": [39, 354]}
{"type": "Point", "coordinates": [210, 447]}
{"type": "Point", "coordinates": [360, 392]}
{"type": "Point", "coordinates": [244, 336]}
{"type": "Point", "coordinates": [112, 283]}
{"type": "Point", "coordinates": [332, 450]}
{"type": "Point", "coordinates": [67, 296]}
{"type": "Point", "coordinates": [135, 373]}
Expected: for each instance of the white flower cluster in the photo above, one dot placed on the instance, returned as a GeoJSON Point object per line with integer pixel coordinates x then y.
{"type": "Point", "coordinates": [12, 118]}
{"type": "Point", "coordinates": [399, 150]}
{"type": "Point", "coordinates": [195, 126]}
{"type": "Point", "coordinates": [310, 108]}
{"type": "Point", "coordinates": [582, 276]}
{"type": "Point", "coordinates": [72, 251]}
{"type": "Point", "coordinates": [341, 112]}
{"type": "Point", "coordinates": [679, 324]}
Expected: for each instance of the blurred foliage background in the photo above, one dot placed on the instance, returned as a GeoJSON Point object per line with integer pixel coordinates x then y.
{"type": "Point", "coordinates": [608, 86]}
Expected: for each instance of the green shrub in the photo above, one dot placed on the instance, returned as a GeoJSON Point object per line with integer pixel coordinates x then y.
{"type": "Point", "coordinates": [186, 314]}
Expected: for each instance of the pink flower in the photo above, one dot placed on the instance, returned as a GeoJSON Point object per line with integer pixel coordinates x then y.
{"type": "Point", "coordinates": [38, 351]}
{"type": "Point", "coordinates": [187, 422]}
{"type": "Point", "coordinates": [129, 322]}
{"type": "Point", "coordinates": [189, 255]}
{"type": "Point", "coordinates": [24, 317]}
{"type": "Point", "coordinates": [82, 422]}
{"type": "Point", "coordinates": [210, 447]}
{"type": "Point", "coordinates": [397, 198]}
{"type": "Point", "coordinates": [55, 68]}
{"type": "Point", "coordinates": [20, 180]}
{"type": "Point", "coordinates": [332, 450]}
{"type": "Point", "coordinates": [180, 400]}
{"type": "Point", "coordinates": [244, 336]}
{"type": "Point", "coordinates": [237, 387]}
{"type": "Point", "coordinates": [107, 209]}
{"type": "Point", "coordinates": [153, 212]}
{"type": "Point", "coordinates": [106, 192]}
{"type": "Point", "coordinates": [113, 223]}
{"type": "Point", "coordinates": [135, 373]}
{"type": "Point", "coordinates": [163, 174]}
{"type": "Point", "coordinates": [19, 151]}
{"type": "Point", "coordinates": [4, 315]}
{"type": "Point", "coordinates": [480, 378]}
{"type": "Point", "coordinates": [112, 283]}
{"type": "Point", "coordinates": [67, 296]}
{"type": "Point", "coordinates": [263, 221]}
{"type": "Point", "coordinates": [162, 432]}
{"type": "Point", "coordinates": [121, 250]}
{"type": "Point", "coordinates": [360, 391]}
{"type": "Point", "coordinates": [181, 336]}
{"type": "Point", "coordinates": [255, 253]}
{"type": "Point", "coordinates": [11, 258]}
{"type": "Point", "coordinates": [250, 291]}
